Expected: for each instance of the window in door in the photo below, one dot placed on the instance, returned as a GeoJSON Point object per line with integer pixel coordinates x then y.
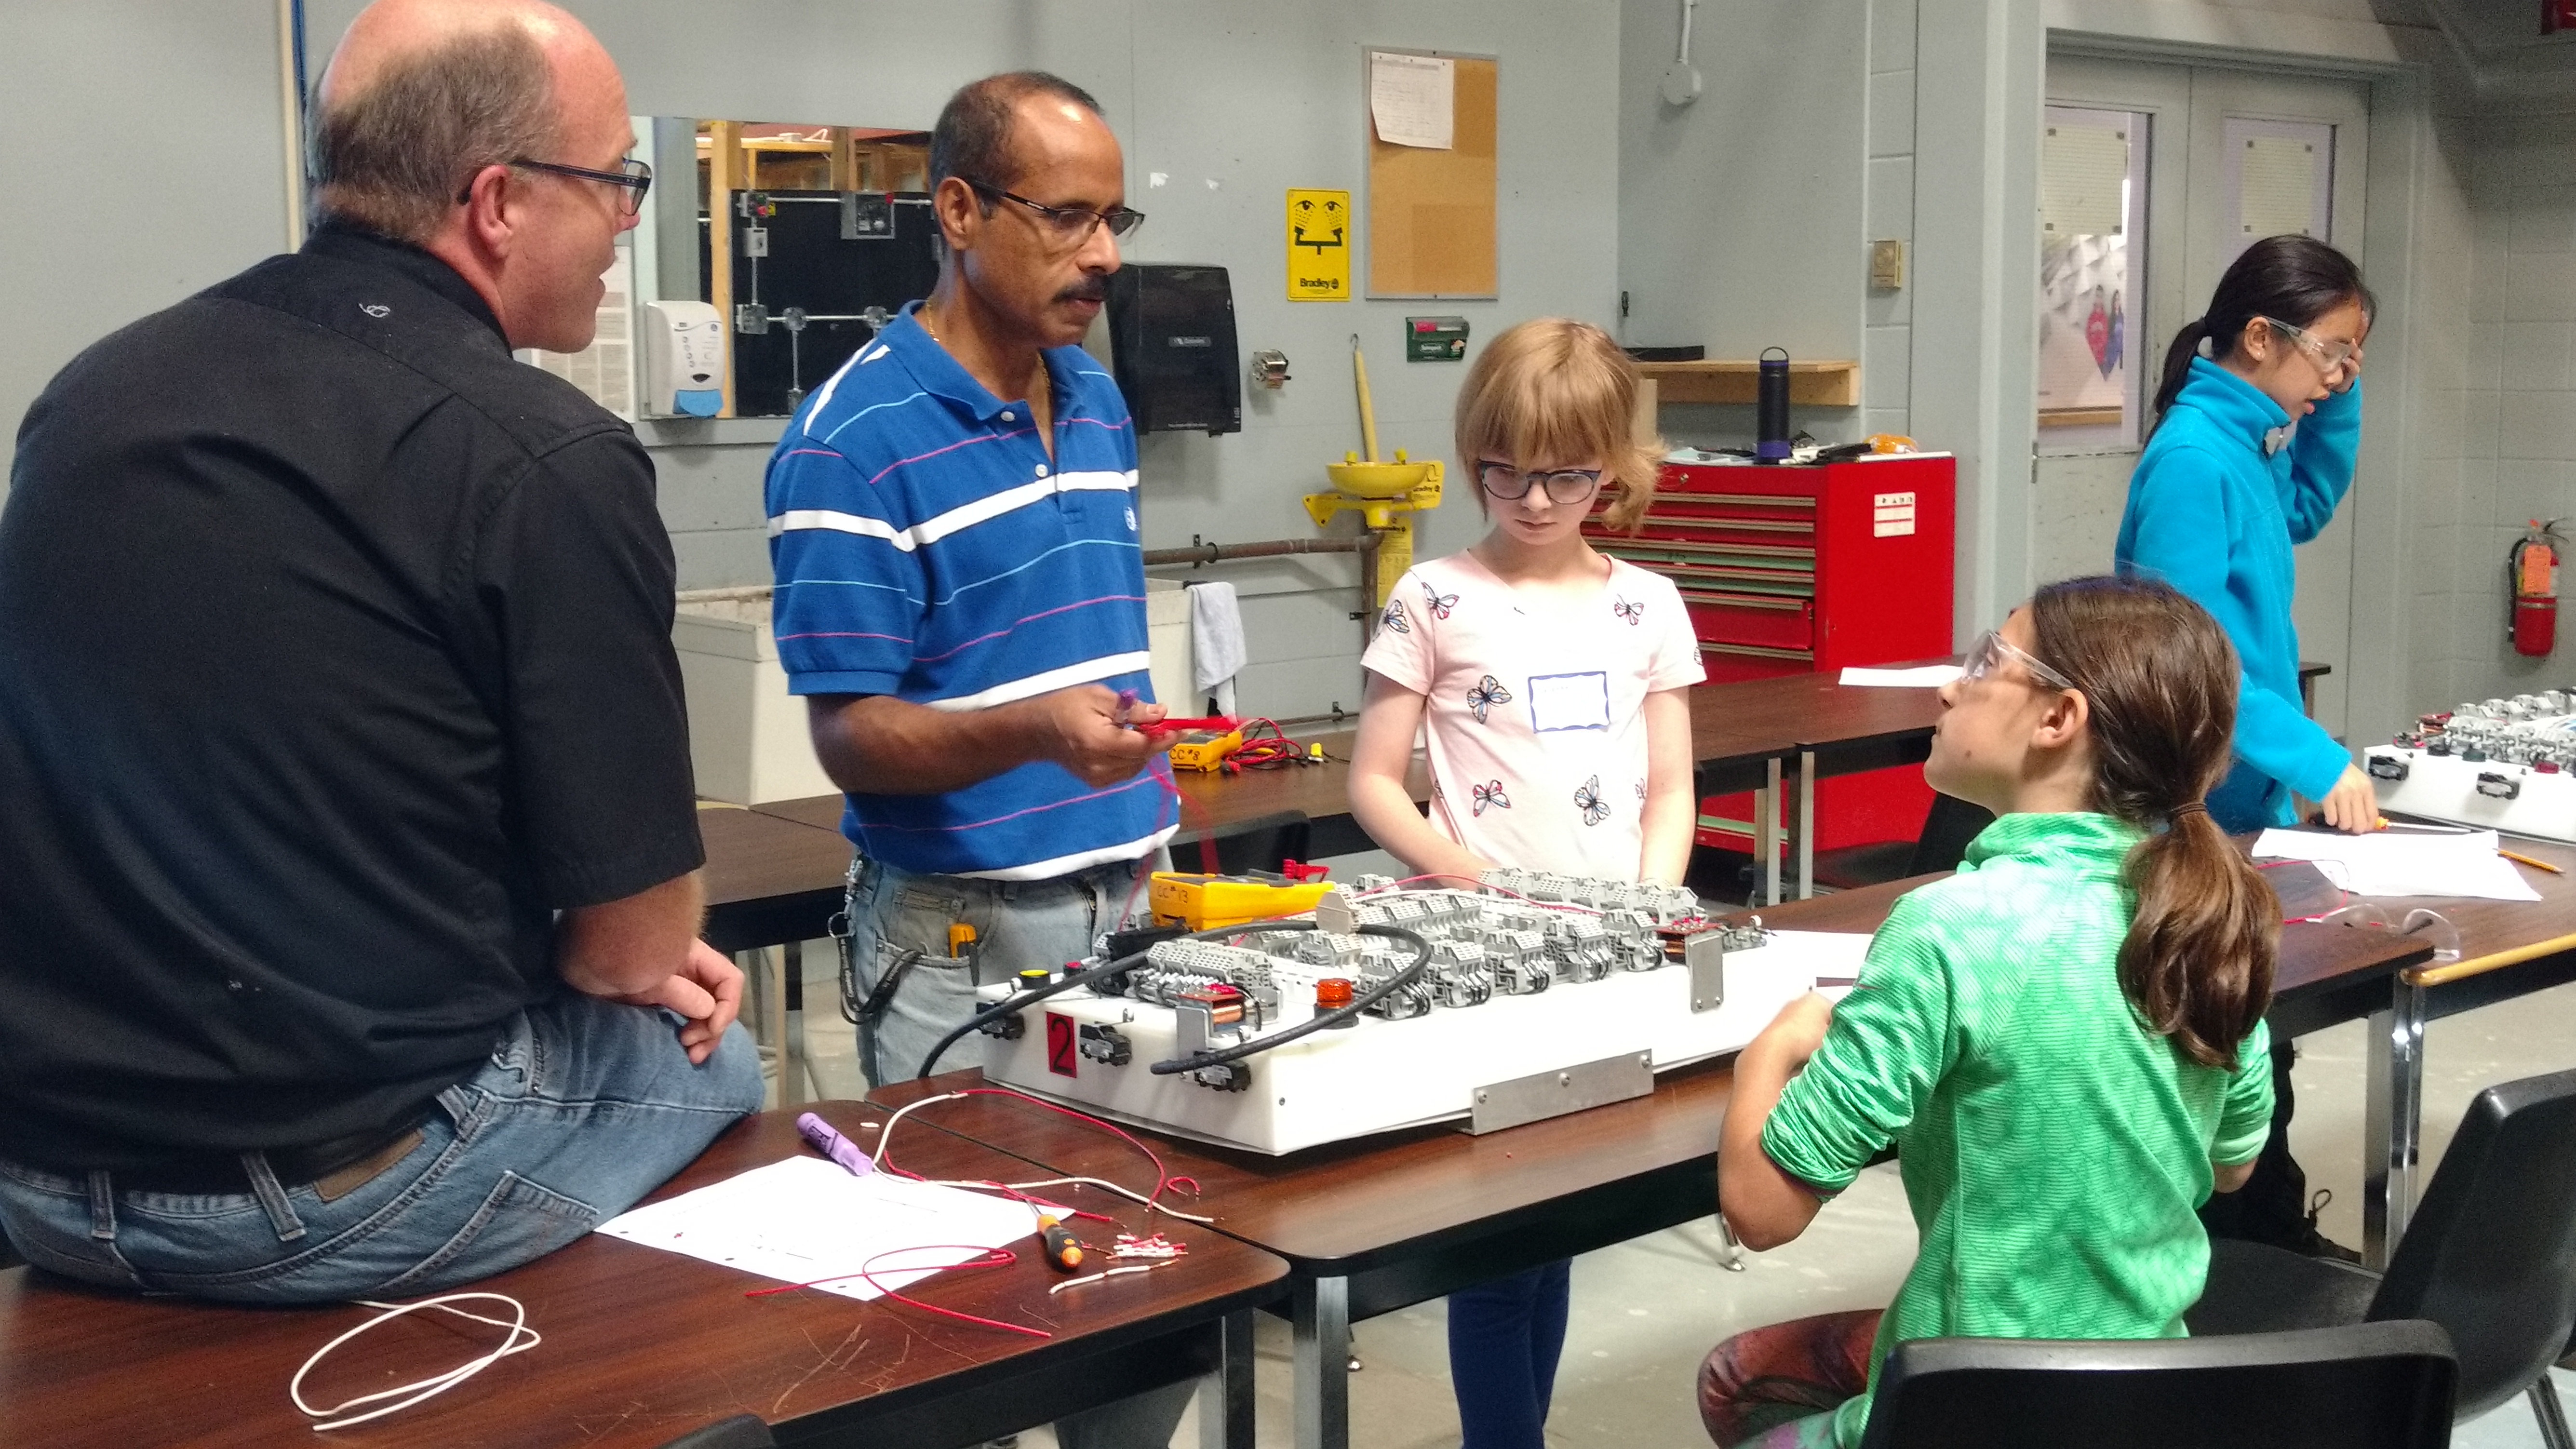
{"type": "Point", "coordinates": [2091, 260]}
{"type": "Point", "coordinates": [2276, 179]}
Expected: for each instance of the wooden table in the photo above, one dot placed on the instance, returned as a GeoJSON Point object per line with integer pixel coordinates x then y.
{"type": "Point", "coordinates": [642, 1346]}
{"type": "Point", "coordinates": [1376, 1224]}
{"type": "Point", "coordinates": [1211, 802]}
{"type": "Point", "coordinates": [772, 879]}
{"type": "Point", "coordinates": [1830, 729]}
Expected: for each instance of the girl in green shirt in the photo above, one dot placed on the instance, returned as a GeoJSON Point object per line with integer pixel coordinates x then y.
{"type": "Point", "coordinates": [2064, 1041]}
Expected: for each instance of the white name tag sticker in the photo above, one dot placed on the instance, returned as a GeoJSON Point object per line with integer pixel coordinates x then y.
{"type": "Point", "coordinates": [1569, 702]}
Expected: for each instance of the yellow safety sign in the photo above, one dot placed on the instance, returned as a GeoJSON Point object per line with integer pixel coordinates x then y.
{"type": "Point", "coordinates": [1319, 246]}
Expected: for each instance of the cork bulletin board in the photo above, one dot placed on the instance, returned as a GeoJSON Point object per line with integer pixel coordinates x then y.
{"type": "Point", "coordinates": [1431, 223]}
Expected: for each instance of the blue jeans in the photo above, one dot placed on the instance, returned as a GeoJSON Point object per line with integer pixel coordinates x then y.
{"type": "Point", "coordinates": [1504, 1338]}
{"type": "Point", "coordinates": [1018, 924]}
{"type": "Point", "coordinates": [583, 1107]}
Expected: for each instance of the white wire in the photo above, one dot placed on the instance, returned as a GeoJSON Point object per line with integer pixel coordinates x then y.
{"type": "Point", "coordinates": [886, 1133]}
{"type": "Point", "coordinates": [885, 1136]}
{"type": "Point", "coordinates": [428, 1387]}
{"type": "Point", "coordinates": [1111, 1273]}
{"type": "Point", "coordinates": [1127, 1193]}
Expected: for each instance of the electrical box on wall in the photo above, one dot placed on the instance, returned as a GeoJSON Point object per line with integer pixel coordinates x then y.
{"type": "Point", "coordinates": [684, 360]}
{"type": "Point", "coordinates": [1171, 337]}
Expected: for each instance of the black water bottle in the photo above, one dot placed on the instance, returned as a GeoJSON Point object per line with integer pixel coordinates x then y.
{"type": "Point", "coordinates": [1771, 407]}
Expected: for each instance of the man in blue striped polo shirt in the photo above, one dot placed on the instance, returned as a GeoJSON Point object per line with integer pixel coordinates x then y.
{"type": "Point", "coordinates": [961, 600]}
{"type": "Point", "coordinates": [960, 587]}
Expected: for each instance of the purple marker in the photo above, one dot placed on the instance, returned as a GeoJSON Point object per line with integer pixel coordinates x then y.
{"type": "Point", "coordinates": [819, 1134]}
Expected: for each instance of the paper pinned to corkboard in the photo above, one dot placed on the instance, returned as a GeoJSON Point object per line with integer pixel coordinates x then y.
{"type": "Point", "coordinates": [1431, 213]}
{"type": "Point", "coordinates": [1412, 99]}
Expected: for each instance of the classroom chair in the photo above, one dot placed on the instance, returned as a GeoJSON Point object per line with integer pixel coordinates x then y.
{"type": "Point", "coordinates": [2360, 1386]}
{"type": "Point", "coordinates": [2490, 1255]}
{"type": "Point", "coordinates": [742, 1431]}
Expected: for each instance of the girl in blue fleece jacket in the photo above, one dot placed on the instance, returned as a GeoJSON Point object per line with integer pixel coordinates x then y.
{"type": "Point", "coordinates": [2252, 450]}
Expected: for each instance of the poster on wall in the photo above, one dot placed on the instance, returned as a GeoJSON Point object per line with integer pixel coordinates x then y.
{"type": "Point", "coordinates": [1319, 245]}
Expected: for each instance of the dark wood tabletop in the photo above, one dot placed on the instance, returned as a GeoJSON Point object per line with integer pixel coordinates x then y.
{"type": "Point", "coordinates": [2507, 948]}
{"type": "Point", "coordinates": [770, 878]}
{"type": "Point", "coordinates": [640, 1346]}
{"type": "Point", "coordinates": [1212, 801]}
{"type": "Point", "coordinates": [1429, 1206]}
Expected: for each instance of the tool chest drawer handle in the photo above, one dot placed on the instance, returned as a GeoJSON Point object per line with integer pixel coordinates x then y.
{"type": "Point", "coordinates": [1758, 651]}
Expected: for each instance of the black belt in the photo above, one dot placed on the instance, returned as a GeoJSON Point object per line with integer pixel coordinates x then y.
{"type": "Point", "coordinates": [294, 1166]}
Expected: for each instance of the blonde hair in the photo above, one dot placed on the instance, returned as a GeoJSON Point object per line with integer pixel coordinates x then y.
{"type": "Point", "coordinates": [1559, 390]}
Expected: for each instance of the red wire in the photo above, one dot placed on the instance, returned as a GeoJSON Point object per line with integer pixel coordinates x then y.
{"type": "Point", "coordinates": [1162, 769]}
{"type": "Point", "coordinates": [990, 1258]}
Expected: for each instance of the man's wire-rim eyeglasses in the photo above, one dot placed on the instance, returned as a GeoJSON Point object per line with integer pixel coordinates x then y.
{"type": "Point", "coordinates": [634, 176]}
{"type": "Point", "coordinates": [1071, 223]}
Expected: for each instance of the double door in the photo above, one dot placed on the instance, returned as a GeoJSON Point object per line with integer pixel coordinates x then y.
{"type": "Point", "coordinates": [2153, 178]}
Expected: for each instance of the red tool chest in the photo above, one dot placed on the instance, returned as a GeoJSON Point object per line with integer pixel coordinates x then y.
{"type": "Point", "coordinates": [1788, 569]}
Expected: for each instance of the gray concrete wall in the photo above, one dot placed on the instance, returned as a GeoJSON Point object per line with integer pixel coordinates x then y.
{"type": "Point", "coordinates": [2516, 432]}
{"type": "Point", "coordinates": [145, 160]}
{"type": "Point", "coordinates": [1743, 216]}
{"type": "Point", "coordinates": [1231, 101]}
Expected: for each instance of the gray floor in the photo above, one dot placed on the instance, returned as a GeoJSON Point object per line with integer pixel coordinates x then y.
{"type": "Point", "coordinates": [1645, 1311]}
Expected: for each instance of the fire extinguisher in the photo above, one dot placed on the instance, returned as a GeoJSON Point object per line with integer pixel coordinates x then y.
{"type": "Point", "coordinates": [2532, 569]}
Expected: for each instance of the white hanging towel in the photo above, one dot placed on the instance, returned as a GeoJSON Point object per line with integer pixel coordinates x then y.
{"type": "Point", "coordinates": [1216, 634]}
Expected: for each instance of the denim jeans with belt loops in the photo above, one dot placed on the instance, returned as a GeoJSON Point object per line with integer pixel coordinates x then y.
{"type": "Point", "coordinates": [583, 1107]}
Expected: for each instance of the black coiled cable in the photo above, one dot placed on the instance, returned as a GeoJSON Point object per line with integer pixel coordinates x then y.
{"type": "Point", "coordinates": [1071, 979]}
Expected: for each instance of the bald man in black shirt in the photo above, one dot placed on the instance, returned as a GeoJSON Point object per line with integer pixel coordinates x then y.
{"type": "Point", "coordinates": [348, 883]}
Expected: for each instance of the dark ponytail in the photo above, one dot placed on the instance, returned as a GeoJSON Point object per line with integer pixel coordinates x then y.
{"type": "Point", "coordinates": [2295, 279]}
{"type": "Point", "coordinates": [2160, 678]}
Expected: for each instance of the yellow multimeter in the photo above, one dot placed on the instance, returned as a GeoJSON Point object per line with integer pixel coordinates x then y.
{"type": "Point", "coordinates": [1207, 902]}
{"type": "Point", "coordinates": [1205, 750]}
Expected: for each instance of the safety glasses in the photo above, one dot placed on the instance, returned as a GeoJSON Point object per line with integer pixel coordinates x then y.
{"type": "Point", "coordinates": [1989, 653]}
{"type": "Point", "coordinates": [2328, 354]}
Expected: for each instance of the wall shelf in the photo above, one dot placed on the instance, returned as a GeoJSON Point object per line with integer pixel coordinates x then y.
{"type": "Point", "coordinates": [1811, 384]}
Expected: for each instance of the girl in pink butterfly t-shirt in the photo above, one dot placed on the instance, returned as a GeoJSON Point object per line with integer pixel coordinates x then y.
{"type": "Point", "coordinates": [1547, 678]}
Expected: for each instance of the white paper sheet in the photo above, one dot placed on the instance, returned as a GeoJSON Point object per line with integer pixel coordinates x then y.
{"type": "Point", "coordinates": [1924, 676]}
{"type": "Point", "coordinates": [2388, 863]}
{"type": "Point", "coordinates": [1412, 99]}
{"type": "Point", "coordinates": [806, 1219]}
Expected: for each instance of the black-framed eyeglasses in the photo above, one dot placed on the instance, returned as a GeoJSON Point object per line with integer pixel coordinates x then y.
{"type": "Point", "coordinates": [1565, 485]}
{"type": "Point", "coordinates": [632, 175]}
{"type": "Point", "coordinates": [1070, 225]}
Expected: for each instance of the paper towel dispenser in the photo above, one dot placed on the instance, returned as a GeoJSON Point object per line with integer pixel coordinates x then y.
{"type": "Point", "coordinates": [1171, 338]}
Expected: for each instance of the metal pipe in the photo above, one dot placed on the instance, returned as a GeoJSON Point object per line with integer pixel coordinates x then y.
{"type": "Point", "coordinates": [290, 85]}
{"type": "Point", "coordinates": [1200, 554]}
